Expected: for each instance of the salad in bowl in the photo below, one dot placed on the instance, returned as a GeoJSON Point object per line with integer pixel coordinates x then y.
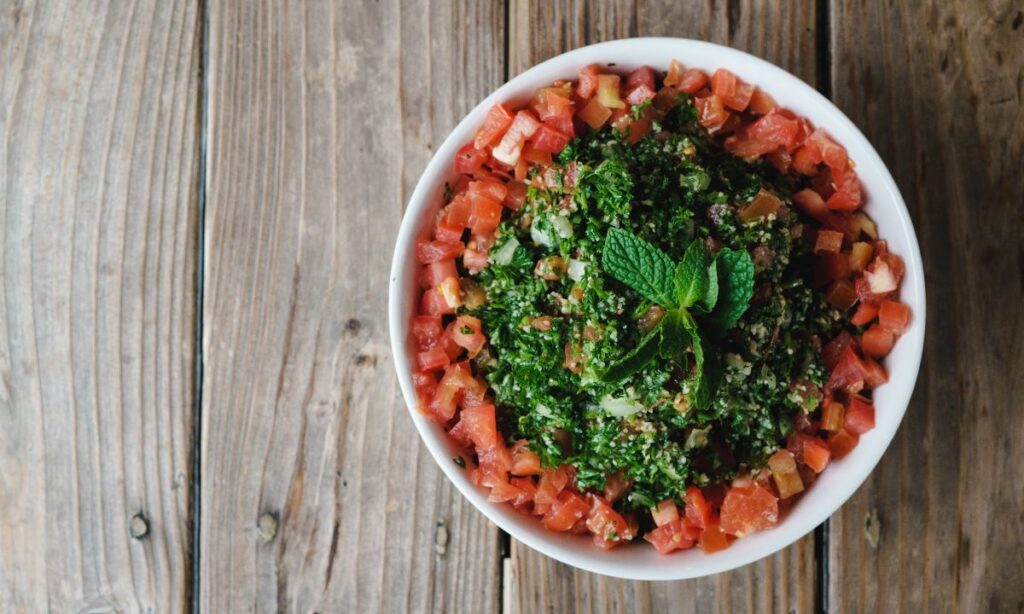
{"type": "Point", "coordinates": [650, 309]}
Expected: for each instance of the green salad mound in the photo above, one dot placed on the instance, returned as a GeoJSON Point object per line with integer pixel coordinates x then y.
{"type": "Point", "coordinates": [649, 316]}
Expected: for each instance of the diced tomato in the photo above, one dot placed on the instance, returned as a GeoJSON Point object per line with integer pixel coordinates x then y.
{"type": "Point", "coordinates": [502, 492]}
{"type": "Point", "coordinates": [637, 130]}
{"type": "Point", "coordinates": [491, 188]}
{"type": "Point", "coordinates": [876, 341]}
{"type": "Point", "coordinates": [527, 490]}
{"type": "Point", "coordinates": [842, 443]}
{"type": "Point", "coordinates": [832, 351]}
{"type": "Point", "coordinates": [433, 303]}
{"type": "Point", "coordinates": [832, 416]}
{"type": "Point", "coordinates": [608, 526]}
{"type": "Point", "coordinates": [465, 331]}
{"type": "Point", "coordinates": [784, 473]}
{"type": "Point", "coordinates": [509, 148]}
{"type": "Point", "coordinates": [711, 112]}
{"type": "Point", "coordinates": [874, 374]}
{"type": "Point", "coordinates": [847, 195]}
{"type": "Point", "coordinates": [674, 73]}
{"type": "Point", "coordinates": [780, 159]}
{"type": "Point", "coordinates": [761, 102]}
{"type": "Point", "coordinates": [436, 272]}
{"type": "Point", "coordinates": [827, 150]}
{"type": "Point", "coordinates": [665, 512]}
{"type": "Point", "coordinates": [828, 241]}
{"type": "Point", "coordinates": [848, 374]}
{"type": "Point", "coordinates": [469, 159]}
{"type": "Point", "coordinates": [639, 94]}
{"type": "Point", "coordinates": [516, 195]}
{"type": "Point", "coordinates": [433, 251]}
{"type": "Point", "coordinates": [805, 161]}
{"type": "Point", "coordinates": [816, 455]}
{"type": "Point", "coordinates": [776, 128]}
{"type": "Point", "coordinates": [692, 81]}
{"type": "Point", "coordinates": [484, 213]}
{"type": "Point", "coordinates": [641, 76]}
{"type": "Point", "coordinates": [534, 156]}
{"type": "Point", "coordinates": [615, 486]}
{"type": "Point", "coordinates": [882, 277]}
{"type": "Point", "coordinates": [425, 384]}
{"type": "Point", "coordinates": [860, 415]}
{"type": "Point", "coordinates": [841, 295]}
{"type": "Point", "coordinates": [698, 510]}
{"type": "Point", "coordinates": [748, 507]}
{"type": "Point", "coordinates": [669, 537]}
{"type": "Point", "coordinates": [426, 329]}
{"type": "Point", "coordinates": [595, 114]}
{"type": "Point", "coordinates": [498, 119]}
{"type": "Point", "coordinates": [495, 461]}
{"type": "Point", "coordinates": [474, 261]}
{"type": "Point", "coordinates": [893, 316]}
{"type": "Point", "coordinates": [524, 461]}
{"type": "Point", "coordinates": [434, 358]}
{"type": "Point", "coordinates": [587, 81]}
{"type": "Point", "coordinates": [811, 203]}
{"type": "Point", "coordinates": [552, 102]}
{"type": "Point", "coordinates": [830, 267]}
{"type": "Point", "coordinates": [565, 511]}
{"type": "Point", "coordinates": [481, 427]}
{"type": "Point", "coordinates": [712, 539]}
{"type": "Point", "coordinates": [733, 91]}
{"type": "Point", "coordinates": [550, 140]}
{"type": "Point", "coordinates": [608, 92]}
{"type": "Point", "coordinates": [448, 392]}
{"type": "Point", "coordinates": [552, 482]}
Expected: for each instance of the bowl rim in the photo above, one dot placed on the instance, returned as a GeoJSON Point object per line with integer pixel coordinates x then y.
{"type": "Point", "coordinates": [425, 195]}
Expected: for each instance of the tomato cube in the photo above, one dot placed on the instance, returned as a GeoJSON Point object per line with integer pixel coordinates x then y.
{"type": "Point", "coordinates": [712, 539]}
{"type": "Point", "coordinates": [748, 507]}
{"type": "Point", "coordinates": [893, 316]}
{"type": "Point", "coordinates": [876, 341]}
{"type": "Point", "coordinates": [842, 443]}
{"type": "Point", "coordinates": [665, 512]}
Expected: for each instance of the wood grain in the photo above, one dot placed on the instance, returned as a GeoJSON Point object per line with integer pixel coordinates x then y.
{"type": "Point", "coordinates": [98, 163]}
{"type": "Point", "coordinates": [322, 115]}
{"type": "Point", "coordinates": [539, 30]}
{"type": "Point", "coordinates": [938, 90]}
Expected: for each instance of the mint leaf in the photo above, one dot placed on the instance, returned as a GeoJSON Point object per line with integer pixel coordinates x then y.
{"type": "Point", "coordinates": [691, 276]}
{"type": "Point", "coordinates": [706, 304]}
{"type": "Point", "coordinates": [639, 265]}
{"type": "Point", "coordinates": [674, 336]}
{"type": "Point", "coordinates": [735, 287]}
{"type": "Point", "coordinates": [635, 359]}
{"type": "Point", "coordinates": [703, 382]}
{"type": "Point", "coordinates": [709, 376]}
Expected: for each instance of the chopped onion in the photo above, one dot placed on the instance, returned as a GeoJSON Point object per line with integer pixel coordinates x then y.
{"type": "Point", "coordinates": [577, 269]}
{"type": "Point", "coordinates": [562, 226]}
{"type": "Point", "coordinates": [621, 408]}
{"type": "Point", "coordinates": [505, 253]}
{"type": "Point", "coordinates": [540, 237]}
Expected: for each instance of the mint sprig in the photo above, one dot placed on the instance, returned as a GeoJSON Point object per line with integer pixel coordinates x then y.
{"type": "Point", "coordinates": [718, 289]}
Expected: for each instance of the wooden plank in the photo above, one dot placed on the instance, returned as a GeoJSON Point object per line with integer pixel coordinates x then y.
{"type": "Point", "coordinates": [779, 32]}
{"type": "Point", "coordinates": [322, 115]}
{"type": "Point", "coordinates": [938, 90]}
{"type": "Point", "coordinates": [98, 162]}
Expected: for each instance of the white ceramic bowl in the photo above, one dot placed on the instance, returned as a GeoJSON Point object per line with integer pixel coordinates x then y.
{"type": "Point", "coordinates": [883, 203]}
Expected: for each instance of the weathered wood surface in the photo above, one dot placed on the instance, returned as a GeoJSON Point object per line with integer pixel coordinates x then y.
{"type": "Point", "coordinates": [99, 107]}
{"type": "Point", "coordinates": [938, 90]}
{"type": "Point", "coordinates": [539, 30]}
{"type": "Point", "coordinates": [321, 117]}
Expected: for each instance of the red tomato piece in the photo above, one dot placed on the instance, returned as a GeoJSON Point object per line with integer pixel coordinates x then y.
{"type": "Point", "coordinates": [498, 119]}
{"type": "Point", "coordinates": [469, 159]}
{"type": "Point", "coordinates": [712, 539]}
{"type": "Point", "coordinates": [534, 156]}
{"type": "Point", "coordinates": [449, 390]}
{"type": "Point", "coordinates": [481, 427]}
{"type": "Point", "coordinates": [733, 91]}
{"type": "Point", "coordinates": [436, 272]}
{"type": "Point", "coordinates": [426, 329]}
{"type": "Point", "coordinates": [434, 358]}
{"type": "Point", "coordinates": [711, 112]}
{"type": "Point", "coordinates": [475, 261]}
{"type": "Point", "coordinates": [643, 76]}
{"type": "Point", "coordinates": [595, 114]}
{"type": "Point", "coordinates": [615, 486]}
{"type": "Point", "coordinates": [806, 161]}
{"type": "Point", "coordinates": [527, 490]}
{"type": "Point", "coordinates": [491, 188]}
{"type": "Point", "coordinates": [698, 510]}
{"type": "Point", "coordinates": [811, 203]}
{"type": "Point", "coordinates": [748, 507]}
{"type": "Point", "coordinates": [552, 482]}
{"type": "Point", "coordinates": [830, 267]}
{"type": "Point", "coordinates": [780, 159]}
{"type": "Point", "coordinates": [761, 102]}
{"type": "Point", "coordinates": [433, 303]}
{"type": "Point", "coordinates": [893, 316]}
{"type": "Point", "coordinates": [675, 72]}
{"type": "Point", "coordinates": [692, 81]}
{"type": "Point", "coordinates": [552, 102]}
{"type": "Point", "coordinates": [516, 195]}
{"type": "Point", "coordinates": [587, 82]}
{"type": "Point", "coordinates": [510, 147]}
{"type": "Point", "coordinates": [563, 124]}
{"type": "Point", "coordinates": [608, 526]}
{"type": "Point", "coordinates": [524, 461]}
{"type": "Point", "coordinates": [775, 128]}
{"type": "Point", "coordinates": [876, 341]}
{"type": "Point", "coordinates": [848, 374]}
{"type": "Point", "coordinates": [639, 94]}
{"type": "Point", "coordinates": [842, 442]}
{"type": "Point", "coordinates": [810, 450]}
{"type": "Point", "coordinates": [466, 332]}
{"type": "Point", "coordinates": [874, 374]}
{"type": "Point", "coordinates": [860, 415]}
{"type": "Point", "coordinates": [828, 241]}
{"type": "Point", "coordinates": [550, 140]}
{"type": "Point", "coordinates": [826, 150]}
{"type": "Point", "coordinates": [669, 537]}
{"type": "Point", "coordinates": [841, 295]}
{"type": "Point", "coordinates": [834, 349]}
{"type": "Point", "coordinates": [847, 195]}
{"type": "Point", "coordinates": [484, 214]}
{"type": "Point", "coordinates": [866, 312]}
{"type": "Point", "coordinates": [569, 508]}
{"type": "Point", "coordinates": [433, 251]}
{"type": "Point", "coordinates": [665, 512]}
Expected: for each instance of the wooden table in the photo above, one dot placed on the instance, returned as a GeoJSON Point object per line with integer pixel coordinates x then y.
{"type": "Point", "coordinates": [197, 399]}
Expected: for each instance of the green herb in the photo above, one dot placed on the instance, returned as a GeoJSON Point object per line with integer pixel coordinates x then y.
{"type": "Point", "coordinates": [639, 265]}
{"type": "Point", "coordinates": [735, 287]}
{"type": "Point", "coordinates": [691, 277]}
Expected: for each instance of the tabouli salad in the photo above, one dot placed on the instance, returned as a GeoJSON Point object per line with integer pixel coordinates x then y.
{"type": "Point", "coordinates": [652, 308]}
